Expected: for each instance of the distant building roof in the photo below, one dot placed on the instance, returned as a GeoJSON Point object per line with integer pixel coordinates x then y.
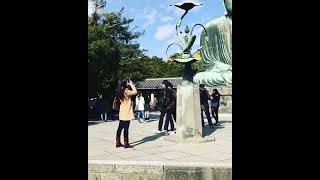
{"type": "Point", "coordinates": [156, 83]}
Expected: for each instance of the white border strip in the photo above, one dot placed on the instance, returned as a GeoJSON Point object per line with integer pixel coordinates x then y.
{"type": "Point", "coordinates": [160, 163]}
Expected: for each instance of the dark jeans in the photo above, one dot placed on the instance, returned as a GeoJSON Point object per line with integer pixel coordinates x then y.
{"type": "Point", "coordinates": [169, 120]}
{"type": "Point", "coordinates": [123, 125]}
{"type": "Point", "coordinates": [174, 114]}
{"type": "Point", "coordinates": [215, 112]}
{"type": "Point", "coordinates": [206, 111]}
{"type": "Point", "coordinates": [140, 114]}
{"type": "Point", "coordinates": [163, 112]}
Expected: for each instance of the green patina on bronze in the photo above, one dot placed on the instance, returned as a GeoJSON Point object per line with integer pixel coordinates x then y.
{"type": "Point", "coordinates": [187, 40]}
{"type": "Point", "coordinates": [216, 53]}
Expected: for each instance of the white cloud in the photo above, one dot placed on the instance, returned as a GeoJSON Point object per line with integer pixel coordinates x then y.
{"type": "Point", "coordinates": [164, 32]}
{"type": "Point", "coordinates": [90, 8]}
{"type": "Point", "coordinates": [166, 18]}
{"type": "Point", "coordinates": [150, 17]}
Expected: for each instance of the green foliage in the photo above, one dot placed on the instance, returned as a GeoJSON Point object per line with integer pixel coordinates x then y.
{"type": "Point", "coordinates": [109, 42]}
{"type": "Point", "coordinates": [147, 67]}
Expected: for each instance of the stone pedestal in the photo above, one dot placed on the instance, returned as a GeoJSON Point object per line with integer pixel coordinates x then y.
{"type": "Point", "coordinates": [189, 125]}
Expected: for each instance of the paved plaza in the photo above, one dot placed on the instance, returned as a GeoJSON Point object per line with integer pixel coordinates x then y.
{"type": "Point", "coordinates": [149, 146]}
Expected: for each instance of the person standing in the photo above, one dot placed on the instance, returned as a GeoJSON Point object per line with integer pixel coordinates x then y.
{"type": "Point", "coordinates": [162, 114]}
{"type": "Point", "coordinates": [106, 107]}
{"type": "Point", "coordinates": [169, 105]}
{"type": "Point", "coordinates": [147, 107]}
{"type": "Point", "coordinates": [136, 107]}
{"type": "Point", "coordinates": [95, 106]}
{"type": "Point", "coordinates": [163, 105]}
{"type": "Point", "coordinates": [125, 92]}
{"type": "Point", "coordinates": [100, 106]}
{"type": "Point", "coordinates": [174, 112]}
{"type": "Point", "coordinates": [215, 104]}
{"type": "Point", "coordinates": [204, 97]}
{"type": "Point", "coordinates": [103, 108]}
{"type": "Point", "coordinates": [153, 104]}
{"type": "Point", "coordinates": [140, 107]}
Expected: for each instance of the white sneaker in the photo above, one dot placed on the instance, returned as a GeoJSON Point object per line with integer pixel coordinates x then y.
{"type": "Point", "coordinates": [158, 132]}
{"type": "Point", "coordinates": [166, 131]}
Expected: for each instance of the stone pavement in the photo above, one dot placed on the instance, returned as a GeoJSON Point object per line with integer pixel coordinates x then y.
{"type": "Point", "coordinates": [149, 146]}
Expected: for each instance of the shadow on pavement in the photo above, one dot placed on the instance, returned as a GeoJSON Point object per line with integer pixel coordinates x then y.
{"type": "Point", "coordinates": [146, 139]}
{"type": "Point", "coordinates": [94, 122]}
{"type": "Point", "coordinates": [150, 120]}
{"type": "Point", "coordinates": [222, 122]}
{"type": "Point", "coordinates": [153, 116]}
{"type": "Point", "coordinates": [110, 120]}
{"type": "Point", "coordinates": [208, 130]}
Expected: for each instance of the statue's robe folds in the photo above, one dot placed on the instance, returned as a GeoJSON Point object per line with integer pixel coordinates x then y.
{"type": "Point", "coordinates": [216, 54]}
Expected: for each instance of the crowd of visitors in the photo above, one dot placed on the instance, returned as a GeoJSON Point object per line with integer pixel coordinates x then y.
{"type": "Point", "coordinates": [128, 102]}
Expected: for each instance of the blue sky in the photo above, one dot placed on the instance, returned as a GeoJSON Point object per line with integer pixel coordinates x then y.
{"type": "Point", "coordinates": [158, 19]}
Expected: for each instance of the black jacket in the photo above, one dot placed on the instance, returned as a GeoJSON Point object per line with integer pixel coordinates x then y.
{"type": "Point", "coordinates": [215, 102]}
{"type": "Point", "coordinates": [204, 97]}
{"type": "Point", "coordinates": [169, 99]}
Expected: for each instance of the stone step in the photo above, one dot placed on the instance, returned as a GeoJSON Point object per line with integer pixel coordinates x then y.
{"type": "Point", "coordinates": [157, 170]}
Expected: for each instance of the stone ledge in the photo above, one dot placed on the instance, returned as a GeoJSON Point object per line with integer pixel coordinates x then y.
{"type": "Point", "coordinates": [157, 170]}
{"type": "Point", "coordinates": [141, 169]}
{"type": "Point", "coordinates": [100, 168]}
{"type": "Point", "coordinates": [157, 163]}
{"type": "Point", "coordinates": [205, 173]}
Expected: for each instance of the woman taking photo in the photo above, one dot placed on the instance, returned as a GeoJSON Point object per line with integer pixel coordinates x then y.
{"type": "Point", "coordinates": [125, 92]}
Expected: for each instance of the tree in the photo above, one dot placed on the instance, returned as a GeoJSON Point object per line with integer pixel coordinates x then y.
{"type": "Point", "coordinates": [109, 42]}
{"type": "Point", "coordinates": [97, 5]}
{"type": "Point", "coordinates": [146, 67]}
{"type": "Point", "coordinates": [103, 55]}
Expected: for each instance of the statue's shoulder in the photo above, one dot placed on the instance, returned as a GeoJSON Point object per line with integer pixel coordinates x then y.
{"type": "Point", "coordinates": [218, 22]}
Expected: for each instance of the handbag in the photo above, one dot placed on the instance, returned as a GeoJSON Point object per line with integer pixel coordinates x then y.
{"type": "Point", "coordinates": [116, 104]}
